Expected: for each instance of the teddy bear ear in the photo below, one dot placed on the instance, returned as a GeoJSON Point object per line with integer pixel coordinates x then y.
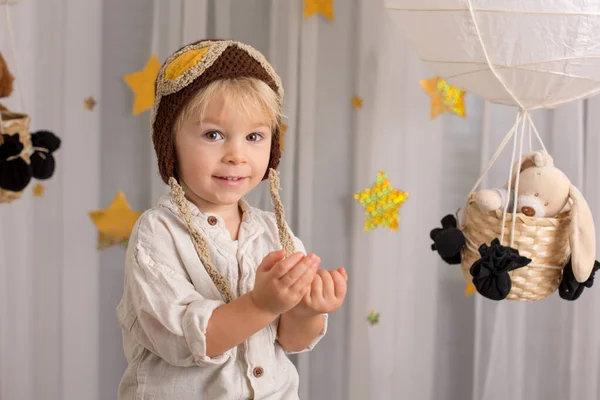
{"type": "Point", "coordinates": [542, 159]}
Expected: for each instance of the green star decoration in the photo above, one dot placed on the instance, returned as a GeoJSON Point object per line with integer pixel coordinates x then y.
{"type": "Point", "coordinates": [373, 318]}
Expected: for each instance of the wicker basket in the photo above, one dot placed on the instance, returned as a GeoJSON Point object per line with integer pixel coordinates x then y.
{"type": "Point", "coordinates": [16, 123]}
{"type": "Point", "coordinates": [544, 240]}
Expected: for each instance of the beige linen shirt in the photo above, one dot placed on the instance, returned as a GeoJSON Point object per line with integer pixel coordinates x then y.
{"type": "Point", "coordinates": [168, 299]}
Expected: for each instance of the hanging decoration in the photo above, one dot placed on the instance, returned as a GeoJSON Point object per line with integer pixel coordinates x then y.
{"type": "Point", "coordinates": [519, 238]}
{"type": "Point", "coordinates": [38, 190]}
{"type": "Point", "coordinates": [471, 44]}
{"type": "Point", "coordinates": [89, 103]}
{"type": "Point", "coordinates": [6, 82]}
{"type": "Point", "coordinates": [470, 289]}
{"type": "Point", "coordinates": [16, 169]}
{"type": "Point", "coordinates": [142, 85]}
{"type": "Point", "coordinates": [282, 132]}
{"type": "Point", "coordinates": [444, 97]}
{"type": "Point", "coordinates": [44, 144]}
{"type": "Point", "coordinates": [381, 203]}
{"type": "Point", "coordinates": [531, 237]}
{"type": "Point", "coordinates": [115, 223]}
{"type": "Point", "coordinates": [357, 102]}
{"type": "Point", "coordinates": [373, 318]}
{"type": "Point", "coordinates": [323, 7]}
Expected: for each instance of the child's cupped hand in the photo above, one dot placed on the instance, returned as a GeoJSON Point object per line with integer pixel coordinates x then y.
{"type": "Point", "coordinates": [326, 294]}
{"type": "Point", "coordinates": [281, 283]}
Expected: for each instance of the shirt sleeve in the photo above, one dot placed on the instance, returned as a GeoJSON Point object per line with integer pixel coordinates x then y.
{"type": "Point", "coordinates": [170, 316]}
{"type": "Point", "coordinates": [315, 340]}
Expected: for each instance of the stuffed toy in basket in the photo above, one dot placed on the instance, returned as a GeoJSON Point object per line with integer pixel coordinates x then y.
{"type": "Point", "coordinates": [547, 243]}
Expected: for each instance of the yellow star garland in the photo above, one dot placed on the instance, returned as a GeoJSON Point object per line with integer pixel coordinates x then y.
{"type": "Point", "coordinates": [282, 133]}
{"type": "Point", "coordinates": [38, 190]}
{"type": "Point", "coordinates": [444, 97]}
{"type": "Point", "coordinates": [115, 223]}
{"type": "Point", "coordinates": [324, 7]}
{"type": "Point", "coordinates": [381, 203]}
{"type": "Point", "coordinates": [470, 289]}
{"type": "Point", "coordinates": [89, 103]}
{"type": "Point", "coordinates": [142, 84]}
{"type": "Point", "coordinates": [357, 102]}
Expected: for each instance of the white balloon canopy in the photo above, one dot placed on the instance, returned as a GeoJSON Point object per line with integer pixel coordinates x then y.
{"type": "Point", "coordinates": [526, 53]}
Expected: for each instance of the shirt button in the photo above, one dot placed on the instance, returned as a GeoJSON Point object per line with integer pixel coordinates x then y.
{"type": "Point", "coordinates": [258, 372]}
{"type": "Point", "coordinates": [212, 220]}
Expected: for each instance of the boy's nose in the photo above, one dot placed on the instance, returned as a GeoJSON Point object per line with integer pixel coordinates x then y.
{"type": "Point", "coordinates": [235, 155]}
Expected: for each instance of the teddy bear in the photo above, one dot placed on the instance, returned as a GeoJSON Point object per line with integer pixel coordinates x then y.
{"type": "Point", "coordinates": [544, 191]}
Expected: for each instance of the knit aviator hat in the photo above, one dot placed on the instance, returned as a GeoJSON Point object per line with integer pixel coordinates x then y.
{"type": "Point", "coordinates": [183, 75]}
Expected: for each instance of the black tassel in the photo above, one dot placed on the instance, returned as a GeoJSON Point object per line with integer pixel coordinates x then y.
{"type": "Point", "coordinates": [448, 240]}
{"type": "Point", "coordinates": [42, 161]}
{"type": "Point", "coordinates": [569, 288]}
{"type": "Point", "coordinates": [490, 272]}
{"type": "Point", "coordinates": [15, 173]}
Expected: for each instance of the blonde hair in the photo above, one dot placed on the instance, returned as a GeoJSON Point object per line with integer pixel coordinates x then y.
{"type": "Point", "coordinates": [249, 95]}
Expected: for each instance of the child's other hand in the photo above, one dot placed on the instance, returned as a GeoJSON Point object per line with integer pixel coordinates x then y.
{"type": "Point", "coordinates": [280, 284]}
{"type": "Point", "coordinates": [327, 293]}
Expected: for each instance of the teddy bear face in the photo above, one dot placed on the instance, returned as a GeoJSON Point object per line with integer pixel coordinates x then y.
{"type": "Point", "coordinates": [543, 192]}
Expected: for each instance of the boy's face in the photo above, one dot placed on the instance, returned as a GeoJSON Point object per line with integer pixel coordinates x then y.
{"type": "Point", "coordinates": [223, 157]}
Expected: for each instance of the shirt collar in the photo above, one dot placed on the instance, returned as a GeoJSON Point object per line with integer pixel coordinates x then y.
{"type": "Point", "coordinates": [207, 218]}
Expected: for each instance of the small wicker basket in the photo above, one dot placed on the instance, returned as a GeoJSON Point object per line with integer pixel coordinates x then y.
{"type": "Point", "coordinates": [12, 123]}
{"type": "Point", "coordinates": [544, 240]}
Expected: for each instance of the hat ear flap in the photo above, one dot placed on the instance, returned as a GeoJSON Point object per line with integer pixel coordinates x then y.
{"type": "Point", "coordinates": [583, 236]}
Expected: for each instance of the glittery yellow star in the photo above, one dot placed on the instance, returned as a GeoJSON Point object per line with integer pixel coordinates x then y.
{"type": "Point", "coordinates": [444, 97]}
{"type": "Point", "coordinates": [38, 190]}
{"type": "Point", "coordinates": [89, 103]}
{"type": "Point", "coordinates": [373, 318]}
{"type": "Point", "coordinates": [357, 102]}
{"type": "Point", "coordinates": [469, 289]}
{"type": "Point", "coordinates": [142, 84]}
{"type": "Point", "coordinates": [115, 223]}
{"type": "Point", "coordinates": [381, 203]}
{"type": "Point", "coordinates": [282, 132]}
{"type": "Point", "coordinates": [324, 7]}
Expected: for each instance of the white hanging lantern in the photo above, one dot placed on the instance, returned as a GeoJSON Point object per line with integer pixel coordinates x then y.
{"type": "Point", "coordinates": [526, 53]}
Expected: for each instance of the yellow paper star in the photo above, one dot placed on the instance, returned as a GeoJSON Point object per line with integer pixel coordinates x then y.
{"type": "Point", "coordinates": [469, 289]}
{"type": "Point", "coordinates": [89, 103]}
{"type": "Point", "coordinates": [324, 7]}
{"type": "Point", "coordinates": [38, 190]}
{"type": "Point", "coordinates": [357, 102]}
{"type": "Point", "coordinates": [444, 97]}
{"type": "Point", "coordinates": [373, 318]}
{"type": "Point", "coordinates": [142, 84]}
{"type": "Point", "coordinates": [282, 132]}
{"type": "Point", "coordinates": [381, 203]}
{"type": "Point", "coordinates": [115, 223]}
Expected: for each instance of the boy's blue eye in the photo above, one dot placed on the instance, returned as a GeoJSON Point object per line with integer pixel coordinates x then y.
{"type": "Point", "coordinates": [213, 135]}
{"type": "Point", "coordinates": [254, 137]}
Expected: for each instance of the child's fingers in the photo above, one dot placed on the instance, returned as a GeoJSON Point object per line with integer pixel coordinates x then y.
{"type": "Point", "coordinates": [283, 266]}
{"type": "Point", "coordinates": [271, 259]}
{"type": "Point", "coordinates": [317, 286]}
{"type": "Point", "coordinates": [303, 282]}
{"type": "Point", "coordinates": [339, 284]}
{"type": "Point", "coordinates": [297, 271]}
{"type": "Point", "coordinates": [328, 288]}
{"type": "Point", "coordinates": [342, 271]}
